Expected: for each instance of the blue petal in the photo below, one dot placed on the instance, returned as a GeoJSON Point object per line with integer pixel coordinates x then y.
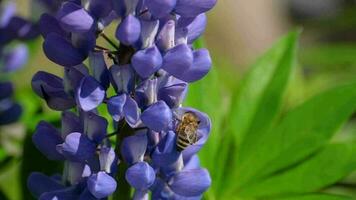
{"type": "Point", "coordinates": [100, 8]}
{"type": "Point", "coordinates": [133, 148]}
{"type": "Point", "coordinates": [201, 66]}
{"type": "Point", "coordinates": [46, 138]}
{"type": "Point", "coordinates": [131, 111]}
{"type": "Point", "coordinates": [140, 176]}
{"type": "Point", "coordinates": [76, 171]}
{"type": "Point", "coordinates": [173, 93]}
{"type": "Point", "coordinates": [146, 62]}
{"type": "Point", "coordinates": [157, 117]}
{"type": "Point", "coordinates": [108, 160]}
{"type": "Point", "coordinates": [70, 123]}
{"type": "Point", "coordinates": [122, 78]}
{"type": "Point", "coordinates": [129, 30]}
{"type": "Point", "coordinates": [77, 147]}
{"type": "Point", "coordinates": [196, 28]}
{"type": "Point", "coordinates": [11, 114]}
{"type": "Point", "coordinates": [7, 12]}
{"type": "Point", "coordinates": [190, 183]}
{"type": "Point", "coordinates": [166, 37]}
{"type": "Point", "coordinates": [64, 194]}
{"type": "Point", "coordinates": [73, 76]}
{"type": "Point", "coordinates": [90, 94]}
{"type": "Point", "coordinates": [50, 88]}
{"type": "Point", "coordinates": [149, 29]}
{"type": "Point", "coordinates": [101, 185]}
{"type": "Point", "coordinates": [141, 195]}
{"type": "Point", "coordinates": [99, 68]}
{"type": "Point", "coordinates": [189, 8]}
{"type": "Point", "coordinates": [161, 8]}
{"type": "Point", "coordinates": [116, 106]}
{"type": "Point", "coordinates": [74, 18]}
{"type": "Point", "coordinates": [6, 89]}
{"type": "Point", "coordinates": [178, 60]}
{"type": "Point", "coordinates": [61, 51]}
{"type": "Point", "coordinates": [15, 59]}
{"type": "Point", "coordinates": [95, 126]}
{"type": "Point", "coordinates": [39, 183]}
{"type": "Point", "coordinates": [49, 24]}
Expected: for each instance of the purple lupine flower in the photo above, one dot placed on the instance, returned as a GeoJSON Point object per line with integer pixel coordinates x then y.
{"type": "Point", "coordinates": [142, 83]}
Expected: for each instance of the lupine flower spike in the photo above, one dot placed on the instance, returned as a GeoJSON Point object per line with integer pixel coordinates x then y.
{"type": "Point", "coordinates": [149, 68]}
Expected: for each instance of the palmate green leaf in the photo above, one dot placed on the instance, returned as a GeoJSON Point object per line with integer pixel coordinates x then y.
{"type": "Point", "coordinates": [326, 167]}
{"type": "Point", "coordinates": [315, 197]}
{"type": "Point", "coordinates": [301, 132]}
{"type": "Point", "coordinates": [258, 101]}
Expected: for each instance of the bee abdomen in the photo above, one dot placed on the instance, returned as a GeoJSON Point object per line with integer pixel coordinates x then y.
{"type": "Point", "coordinates": [182, 142]}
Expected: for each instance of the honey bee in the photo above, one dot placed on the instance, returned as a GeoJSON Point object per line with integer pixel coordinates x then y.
{"type": "Point", "coordinates": [187, 130]}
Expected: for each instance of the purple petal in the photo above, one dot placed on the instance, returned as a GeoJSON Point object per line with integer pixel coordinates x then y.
{"type": "Point", "coordinates": [50, 88]}
{"type": "Point", "coordinates": [146, 92]}
{"type": "Point", "coordinates": [122, 78]}
{"type": "Point", "coordinates": [77, 147]}
{"type": "Point", "coordinates": [46, 138]}
{"type": "Point", "coordinates": [178, 60]}
{"type": "Point", "coordinates": [189, 8]}
{"type": "Point", "coordinates": [86, 195]}
{"type": "Point", "coordinates": [131, 111]}
{"type": "Point", "coordinates": [101, 185]}
{"type": "Point", "coordinates": [100, 8]}
{"type": "Point", "coordinates": [166, 37]}
{"type": "Point", "coordinates": [99, 68]}
{"type": "Point", "coordinates": [76, 171]}
{"type": "Point", "coordinates": [141, 195]}
{"type": "Point", "coordinates": [6, 89]}
{"type": "Point", "coordinates": [22, 28]}
{"type": "Point", "coordinates": [64, 194]}
{"type": "Point", "coordinates": [116, 106]}
{"type": "Point", "coordinates": [61, 51]}
{"type": "Point", "coordinates": [73, 76]}
{"type": "Point", "coordinates": [140, 176]}
{"type": "Point", "coordinates": [191, 182]}
{"type": "Point", "coordinates": [192, 163]}
{"type": "Point", "coordinates": [39, 183]}
{"type": "Point", "coordinates": [90, 94]}
{"type": "Point", "coordinates": [7, 12]}
{"type": "Point", "coordinates": [108, 160]}
{"type": "Point", "coordinates": [74, 18]}
{"type": "Point", "coordinates": [128, 32]}
{"type": "Point", "coordinates": [161, 8]}
{"type": "Point", "coordinates": [149, 29]}
{"type": "Point", "coordinates": [196, 28]}
{"type": "Point", "coordinates": [157, 117]}
{"type": "Point", "coordinates": [49, 24]}
{"type": "Point", "coordinates": [146, 62]}
{"type": "Point", "coordinates": [173, 93]}
{"type": "Point", "coordinates": [201, 66]}
{"type": "Point", "coordinates": [133, 148]}
{"type": "Point", "coordinates": [15, 59]}
{"type": "Point", "coordinates": [95, 126]}
{"type": "Point", "coordinates": [70, 123]}
{"type": "Point", "coordinates": [85, 42]}
{"type": "Point", "coordinates": [10, 114]}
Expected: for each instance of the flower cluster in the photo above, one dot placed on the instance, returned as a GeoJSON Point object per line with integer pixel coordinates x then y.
{"type": "Point", "coordinates": [12, 57]}
{"type": "Point", "coordinates": [142, 83]}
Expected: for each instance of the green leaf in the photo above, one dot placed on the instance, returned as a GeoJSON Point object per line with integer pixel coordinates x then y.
{"type": "Point", "coordinates": [301, 132]}
{"type": "Point", "coordinates": [259, 99]}
{"type": "Point", "coordinates": [315, 197]}
{"type": "Point", "coordinates": [332, 163]}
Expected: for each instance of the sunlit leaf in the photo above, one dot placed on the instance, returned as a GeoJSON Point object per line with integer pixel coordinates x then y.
{"type": "Point", "coordinates": [328, 166]}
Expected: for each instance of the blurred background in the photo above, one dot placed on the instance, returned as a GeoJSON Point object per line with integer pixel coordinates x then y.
{"type": "Point", "coordinates": [238, 33]}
